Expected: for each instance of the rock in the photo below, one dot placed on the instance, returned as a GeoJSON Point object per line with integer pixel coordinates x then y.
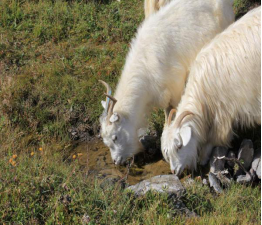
{"type": "Point", "coordinates": [189, 214]}
{"type": "Point", "coordinates": [179, 207]}
{"type": "Point", "coordinates": [244, 179]}
{"type": "Point", "coordinates": [110, 182]}
{"type": "Point", "coordinates": [256, 163]}
{"type": "Point", "coordinates": [258, 171]}
{"type": "Point", "coordinates": [252, 174]}
{"type": "Point", "coordinates": [215, 183]}
{"type": "Point", "coordinates": [246, 153]}
{"type": "Point", "coordinates": [217, 165]}
{"type": "Point", "coordinates": [163, 183]}
{"type": "Point", "coordinates": [205, 182]}
{"type": "Point", "coordinates": [231, 155]}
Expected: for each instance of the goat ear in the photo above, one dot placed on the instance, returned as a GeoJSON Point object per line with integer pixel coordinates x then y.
{"type": "Point", "coordinates": [186, 134]}
{"type": "Point", "coordinates": [103, 104]}
{"type": "Point", "coordinates": [114, 118]}
{"type": "Point", "coordinates": [178, 141]}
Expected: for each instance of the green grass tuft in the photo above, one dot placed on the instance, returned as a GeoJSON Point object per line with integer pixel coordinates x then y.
{"type": "Point", "coordinates": [52, 188]}
{"type": "Point", "coordinates": [52, 54]}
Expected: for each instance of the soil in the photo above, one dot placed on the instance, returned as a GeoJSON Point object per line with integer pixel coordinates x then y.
{"type": "Point", "coordinates": [96, 158]}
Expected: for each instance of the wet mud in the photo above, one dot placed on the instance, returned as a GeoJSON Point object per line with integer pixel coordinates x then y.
{"type": "Point", "coordinates": [96, 159]}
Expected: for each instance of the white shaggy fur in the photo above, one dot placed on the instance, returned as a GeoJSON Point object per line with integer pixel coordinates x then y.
{"type": "Point", "coordinates": [157, 65]}
{"type": "Point", "coordinates": [223, 91]}
{"type": "Point", "coordinates": [152, 6]}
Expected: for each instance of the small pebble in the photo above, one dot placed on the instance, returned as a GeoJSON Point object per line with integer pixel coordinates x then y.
{"type": "Point", "coordinates": [215, 183]}
{"type": "Point", "coordinates": [244, 179]}
{"type": "Point", "coordinates": [246, 153]}
{"type": "Point", "coordinates": [205, 181]}
{"type": "Point", "coordinates": [218, 165]}
{"type": "Point", "coordinates": [256, 163]}
{"type": "Point", "coordinates": [231, 155]}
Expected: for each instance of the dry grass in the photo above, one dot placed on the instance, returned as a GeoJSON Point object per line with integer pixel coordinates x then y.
{"type": "Point", "coordinates": [51, 55]}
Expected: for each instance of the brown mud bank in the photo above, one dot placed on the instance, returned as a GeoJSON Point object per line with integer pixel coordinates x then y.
{"type": "Point", "coordinates": [96, 159]}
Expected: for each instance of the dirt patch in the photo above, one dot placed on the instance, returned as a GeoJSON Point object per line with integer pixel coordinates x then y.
{"type": "Point", "coordinates": [96, 158]}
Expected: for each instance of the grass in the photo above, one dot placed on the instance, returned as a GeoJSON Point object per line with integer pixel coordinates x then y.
{"type": "Point", "coordinates": [52, 54]}
{"type": "Point", "coordinates": [43, 188]}
{"type": "Point", "coordinates": [241, 7]}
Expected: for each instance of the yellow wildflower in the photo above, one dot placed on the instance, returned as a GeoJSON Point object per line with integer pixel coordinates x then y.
{"type": "Point", "coordinates": [32, 153]}
{"type": "Point", "coordinates": [13, 163]}
{"type": "Point", "coordinates": [40, 149]}
{"type": "Point", "coordinates": [74, 156]}
{"type": "Point", "coordinates": [79, 154]}
{"type": "Point", "coordinates": [10, 160]}
{"type": "Point", "coordinates": [14, 156]}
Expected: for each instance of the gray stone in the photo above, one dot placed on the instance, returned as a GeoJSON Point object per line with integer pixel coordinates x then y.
{"type": "Point", "coordinates": [246, 153]}
{"type": "Point", "coordinates": [111, 182]}
{"type": "Point", "coordinates": [214, 182]}
{"type": "Point", "coordinates": [252, 173]}
{"type": "Point", "coordinates": [218, 165]}
{"type": "Point", "coordinates": [205, 181]}
{"type": "Point", "coordinates": [231, 155]}
{"type": "Point", "coordinates": [244, 179]}
{"type": "Point", "coordinates": [256, 163]}
{"type": "Point", "coordinates": [163, 184]}
{"type": "Point", "coordinates": [258, 171]}
{"type": "Point", "coordinates": [180, 207]}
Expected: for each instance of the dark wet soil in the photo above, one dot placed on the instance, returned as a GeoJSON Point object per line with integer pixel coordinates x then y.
{"type": "Point", "coordinates": [96, 158]}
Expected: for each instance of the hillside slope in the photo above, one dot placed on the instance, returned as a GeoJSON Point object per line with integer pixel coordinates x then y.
{"type": "Point", "coordinates": [52, 54]}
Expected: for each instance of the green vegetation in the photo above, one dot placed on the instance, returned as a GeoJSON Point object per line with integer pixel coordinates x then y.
{"type": "Point", "coordinates": [52, 54]}
{"type": "Point", "coordinates": [241, 7]}
{"type": "Point", "coordinates": [43, 188]}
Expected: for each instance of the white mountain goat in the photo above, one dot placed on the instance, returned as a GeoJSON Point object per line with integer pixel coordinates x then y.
{"type": "Point", "coordinates": [223, 91]}
{"type": "Point", "coordinates": [156, 68]}
{"type": "Point", "coordinates": [152, 6]}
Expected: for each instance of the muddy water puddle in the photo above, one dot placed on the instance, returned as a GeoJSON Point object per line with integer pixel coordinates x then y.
{"type": "Point", "coordinates": [97, 160]}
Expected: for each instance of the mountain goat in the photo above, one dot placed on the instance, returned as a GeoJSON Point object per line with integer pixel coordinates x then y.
{"type": "Point", "coordinates": [223, 91]}
{"type": "Point", "coordinates": [152, 6]}
{"type": "Point", "coordinates": [156, 68]}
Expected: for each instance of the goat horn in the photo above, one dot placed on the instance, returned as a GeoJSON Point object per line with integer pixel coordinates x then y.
{"type": "Point", "coordinates": [111, 97]}
{"type": "Point", "coordinates": [108, 89]}
{"type": "Point", "coordinates": [181, 117]}
{"type": "Point", "coordinates": [170, 116]}
{"type": "Point", "coordinates": [111, 107]}
{"type": "Point", "coordinates": [108, 92]}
